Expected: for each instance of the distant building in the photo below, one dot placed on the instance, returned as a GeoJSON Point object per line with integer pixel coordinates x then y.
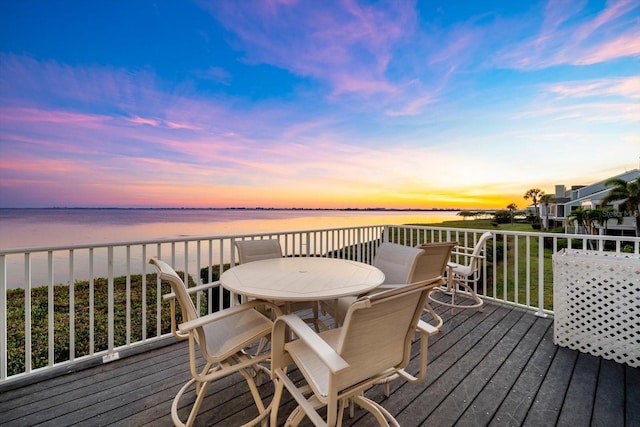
{"type": "Point", "coordinates": [586, 197]}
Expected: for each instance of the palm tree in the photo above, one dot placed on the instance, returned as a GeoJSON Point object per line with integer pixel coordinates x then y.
{"type": "Point", "coordinates": [608, 214]}
{"type": "Point", "coordinates": [534, 194]}
{"type": "Point", "coordinates": [578, 215]}
{"type": "Point", "coordinates": [512, 207]}
{"type": "Point", "coordinates": [591, 217]}
{"type": "Point", "coordinates": [546, 200]}
{"type": "Point", "coordinates": [629, 193]}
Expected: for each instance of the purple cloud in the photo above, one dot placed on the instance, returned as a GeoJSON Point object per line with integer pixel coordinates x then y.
{"type": "Point", "coordinates": [568, 37]}
{"type": "Point", "coordinates": [343, 43]}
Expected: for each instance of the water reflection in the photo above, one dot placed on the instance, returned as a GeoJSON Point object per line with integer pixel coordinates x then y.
{"type": "Point", "coordinates": [38, 228]}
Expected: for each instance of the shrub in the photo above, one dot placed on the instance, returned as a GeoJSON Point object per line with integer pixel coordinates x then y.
{"type": "Point", "coordinates": [503, 217]}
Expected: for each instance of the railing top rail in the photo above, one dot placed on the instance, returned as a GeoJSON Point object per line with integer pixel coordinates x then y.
{"type": "Point", "coordinates": [523, 233]}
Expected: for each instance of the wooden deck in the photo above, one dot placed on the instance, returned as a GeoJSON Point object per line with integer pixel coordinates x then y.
{"type": "Point", "coordinates": [494, 367]}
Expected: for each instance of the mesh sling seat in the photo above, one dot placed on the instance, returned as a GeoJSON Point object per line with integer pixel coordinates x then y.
{"type": "Point", "coordinates": [257, 250]}
{"type": "Point", "coordinates": [339, 364]}
{"type": "Point", "coordinates": [432, 264]}
{"type": "Point", "coordinates": [403, 264]}
{"type": "Point", "coordinates": [224, 339]}
{"type": "Point", "coordinates": [461, 278]}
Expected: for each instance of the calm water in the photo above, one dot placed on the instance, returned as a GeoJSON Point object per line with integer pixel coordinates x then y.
{"type": "Point", "coordinates": [51, 227]}
{"type": "Point", "coordinates": [29, 228]}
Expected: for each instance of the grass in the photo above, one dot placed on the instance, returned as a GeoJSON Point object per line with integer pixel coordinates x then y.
{"type": "Point", "coordinates": [141, 299]}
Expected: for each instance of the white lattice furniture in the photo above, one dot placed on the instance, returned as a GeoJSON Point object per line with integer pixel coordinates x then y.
{"type": "Point", "coordinates": [596, 301]}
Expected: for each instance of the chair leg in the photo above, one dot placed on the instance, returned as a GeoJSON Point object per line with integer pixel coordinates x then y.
{"type": "Point", "coordinates": [383, 416]}
{"type": "Point", "coordinates": [452, 289]}
{"type": "Point", "coordinates": [201, 390]}
{"type": "Point", "coordinates": [263, 412]}
{"type": "Point", "coordinates": [295, 417]}
{"type": "Point", "coordinates": [275, 402]}
{"type": "Point", "coordinates": [341, 407]}
{"type": "Point", "coordinates": [316, 317]}
{"type": "Point", "coordinates": [436, 316]}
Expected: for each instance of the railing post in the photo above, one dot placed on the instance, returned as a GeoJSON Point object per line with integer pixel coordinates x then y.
{"type": "Point", "coordinates": [50, 308]}
{"type": "Point", "coordinates": [385, 233]}
{"type": "Point", "coordinates": [3, 318]}
{"type": "Point", "coordinates": [92, 338]}
{"type": "Point", "coordinates": [72, 308]}
{"type": "Point", "coordinates": [540, 312]}
{"type": "Point", "coordinates": [27, 312]}
{"type": "Point", "coordinates": [128, 295]}
{"type": "Point", "coordinates": [111, 354]}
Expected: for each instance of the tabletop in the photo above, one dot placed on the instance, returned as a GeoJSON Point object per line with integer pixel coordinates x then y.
{"type": "Point", "coordinates": [301, 278]}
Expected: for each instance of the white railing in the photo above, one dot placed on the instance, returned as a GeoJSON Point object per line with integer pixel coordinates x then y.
{"type": "Point", "coordinates": [517, 268]}
{"type": "Point", "coordinates": [92, 302]}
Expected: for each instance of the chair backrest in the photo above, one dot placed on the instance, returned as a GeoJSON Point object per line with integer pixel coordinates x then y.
{"type": "Point", "coordinates": [256, 250]}
{"type": "Point", "coordinates": [478, 248]}
{"type": "Point", "coordinates": [433, 262]}
{"type": "Point", "coordinates": [178, 287]}
{"type": "Point", "coordinates": [378, 331]}
{"type": "Point", "coordinates": [397, 262]}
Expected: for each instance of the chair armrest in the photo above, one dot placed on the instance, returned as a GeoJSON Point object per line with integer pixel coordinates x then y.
{"type": "Point", "coordinates": [203, 320]}
{"type": "Point", "coordinates": [425, 330]}
{"type": "Point", "coordinates": [424, 327]}
{"type": "Point", "coordinates": [464, 254]}
{"type": "Point", "coordinates": [324, 351]}
{"type": "Point", "coordinates": [194, 289]}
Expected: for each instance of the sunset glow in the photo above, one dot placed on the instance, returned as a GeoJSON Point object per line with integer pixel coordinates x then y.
{"type": "Point", "coordinates": [337, 104]}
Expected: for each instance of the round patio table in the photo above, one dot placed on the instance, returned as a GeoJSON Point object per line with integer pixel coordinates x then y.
{"type": "Point", "coordinates": [301, 278]}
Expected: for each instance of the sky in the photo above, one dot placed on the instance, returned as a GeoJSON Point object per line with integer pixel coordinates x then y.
{"type": "Point", "coordinates": [314, 104]}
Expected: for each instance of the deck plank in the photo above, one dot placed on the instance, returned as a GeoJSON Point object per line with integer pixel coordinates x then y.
{"type": "Point", "coordinates": [510, 362]}
{"type": "Point", "coordinates": [578, 402]}
{"type": "Point", "coordinates": [547, 404]}
{"type": "Point", "coordinates": [497, 366]}
{"type": "Point", "coordinates": [632, 396]}
{"type": "Point", "coordinates": [608, 407]}
{"type": "Point", "coordinates": [446, 371]}
{"type": "Point", "coordinates": [515, 406]}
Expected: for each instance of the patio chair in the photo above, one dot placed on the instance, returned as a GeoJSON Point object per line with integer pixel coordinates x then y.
{"type": "Point", "coordinates": [433, 264]}
{"type": "Point", "coordinates": [339, 364]}
{"type": "Point", "coordinates": [256, 250]}
{"type": "Point", "coordinates": [402, 264]}
{"type": "Point", "coordinates": [461, 278]}
{"type": "Point", "coordinates": [224, 339]}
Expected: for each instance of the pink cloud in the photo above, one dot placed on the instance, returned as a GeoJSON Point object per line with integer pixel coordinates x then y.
{"type": "Point", "coordinates": [31, 115]}
{"type": "Point", "coordinates": [414, 107]}
{"type": "Point", "coordinates": [121, 92]}
{"type": "Point", "coordinates": [175, 125]}
{"type": "Point", "coordinates": [567, 38]}
{"type": "Point", "coordinates": [143, 121]}
{"type": "Point", "coordinates": [594, 112]}
{"type": "Point", "coordinates": [623, 46]}
{"type": "Point", "coordinates": [626, 87]}
{"type": "Point", "coordinates": [612, 12]}
{"type": "Point", "coordinates": [459, 43]}
{"type": "Point", "coordinates": [334, 43]}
